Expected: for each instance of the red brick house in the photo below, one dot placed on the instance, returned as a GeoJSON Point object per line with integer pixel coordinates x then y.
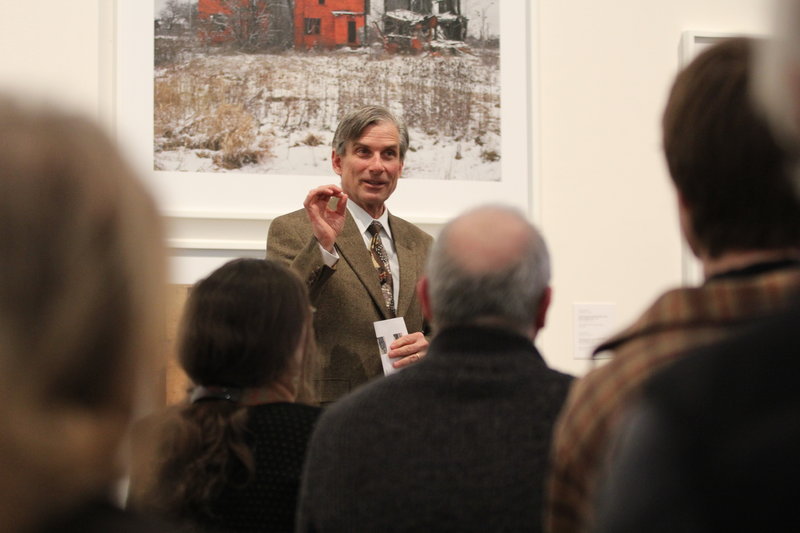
{"type": "Point", "coordinates": [329, 23]}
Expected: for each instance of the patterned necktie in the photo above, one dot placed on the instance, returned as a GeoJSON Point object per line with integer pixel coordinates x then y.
{"type": "Point", "coordinates": [381, 262]}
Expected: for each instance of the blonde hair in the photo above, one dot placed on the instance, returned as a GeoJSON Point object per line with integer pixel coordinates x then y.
{"type": "Point", "coordinates": [82, 270]}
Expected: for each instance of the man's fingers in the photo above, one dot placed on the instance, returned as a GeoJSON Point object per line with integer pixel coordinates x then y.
{"type": "Point", "coordinates": [402, 351]}
{"type": "Point", "coordinates": [342, 205]}
{"type": "Point", "coordinates": [410, 338]}
{"type": "Point", "coordinates": [416, 339]}
{"type": "Point", "coordinates": [409, 360]}
{"type": "Point", "coordinates": [409, 345]}
{"type": "Point", "coordinates": [322, 193]}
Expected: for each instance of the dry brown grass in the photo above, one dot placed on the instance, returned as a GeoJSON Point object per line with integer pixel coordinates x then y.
{"type": "Point", "coordinates": [201, 110]}
{"type": "Point", "coordinates": [490, 156]}
{"type": "Point", "coordinates": [312, 140]}
{"type": "Point", "coordinates": [207, 104]}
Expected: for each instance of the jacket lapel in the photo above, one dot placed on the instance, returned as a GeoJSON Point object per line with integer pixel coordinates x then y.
{"type": "Point", "coordinates": [407, 258]}
{"type": "Point", "coordinates": [352, 249]}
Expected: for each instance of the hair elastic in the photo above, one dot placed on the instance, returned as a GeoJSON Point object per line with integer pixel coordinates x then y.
{"type": "Point", "coordinates": [214, 392]}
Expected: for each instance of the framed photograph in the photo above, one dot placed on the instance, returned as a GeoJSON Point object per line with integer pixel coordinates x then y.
{"type": "Point", "coordinates": [468, 107]}
{"type": "Point", "coordinates": [694, 42]}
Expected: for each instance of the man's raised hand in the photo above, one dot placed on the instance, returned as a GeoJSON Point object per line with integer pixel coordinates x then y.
{"type": "Point", "coordinates": [327, 220]}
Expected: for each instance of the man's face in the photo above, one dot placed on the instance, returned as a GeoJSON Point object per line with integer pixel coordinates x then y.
{"type": "Point", "coordinates": [371, 166]}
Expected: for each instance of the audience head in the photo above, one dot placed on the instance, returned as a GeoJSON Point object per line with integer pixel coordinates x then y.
{"type": "Point", "coordinates": [729, 170]}
{"type": "Point", "coordinates": [247, 325]}
{"type": "Point", "coordinates": [246, 340]}
{"type": "Point", "coordinates": [488, 266]}
{"type": "Point", "coordinates": [82, 270]}
{"type": "Point", "coordinates": [353, 124]}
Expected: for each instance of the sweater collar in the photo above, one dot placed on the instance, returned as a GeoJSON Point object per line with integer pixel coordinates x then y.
{"type": "Point", "coordinates": [481, 340]}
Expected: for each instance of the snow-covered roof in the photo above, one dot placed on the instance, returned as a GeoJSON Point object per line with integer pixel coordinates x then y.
{"type": "Point", "coordinates": [405, 15]}
{"type": "Point", "coordinates": [444, 43]}
{"type": "Point", "coordinates": [447, 16]}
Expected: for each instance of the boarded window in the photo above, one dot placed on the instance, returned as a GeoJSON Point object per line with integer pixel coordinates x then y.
{"type": "Point", "coordinates": [312, 26]}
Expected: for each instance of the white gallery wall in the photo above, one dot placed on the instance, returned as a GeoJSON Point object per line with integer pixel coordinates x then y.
{"type": "Point", "coordinates": [601, 72]}
{"type": "Point", "coordinates": [607, 205]}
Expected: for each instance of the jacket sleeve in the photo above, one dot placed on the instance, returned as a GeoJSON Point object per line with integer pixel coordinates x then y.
{"type": "Point", "coordinates": [288, 243]}
{"type": "Point", "coordinates": [649, 484]}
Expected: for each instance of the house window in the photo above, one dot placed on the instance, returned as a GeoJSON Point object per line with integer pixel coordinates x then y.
{"type": "Point", "coordinates": [322, 2]}
{"type": "Point", "coordinates": [219, 22]}
{"type": "Point", "coordinates": [312, 26]}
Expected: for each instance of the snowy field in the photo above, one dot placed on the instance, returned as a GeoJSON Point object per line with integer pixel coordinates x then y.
{"type": "Point", "coordinates": [275, 113]}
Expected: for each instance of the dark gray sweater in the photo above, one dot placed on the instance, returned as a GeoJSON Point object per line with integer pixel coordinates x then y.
{"type": "Point", "coordinates": [457, 442]}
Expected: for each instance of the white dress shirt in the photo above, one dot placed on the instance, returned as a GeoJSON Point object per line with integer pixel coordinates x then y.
{"type": "Point", "coordinates": [363, 221]}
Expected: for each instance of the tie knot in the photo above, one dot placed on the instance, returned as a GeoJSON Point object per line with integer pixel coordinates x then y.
{"type": "Point", "coordinates": [374, 228]}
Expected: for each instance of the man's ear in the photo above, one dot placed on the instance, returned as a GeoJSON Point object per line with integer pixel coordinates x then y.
{"type": "Point", "coordinates": [336, 162]}
{"type": "Point", "coordinates": [424, 298]}
{"type": "Point", "coordinates": [544, 305]}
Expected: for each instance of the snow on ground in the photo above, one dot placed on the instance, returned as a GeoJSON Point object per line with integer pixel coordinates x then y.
{"type": "Point", "coordinates": [279, 110]}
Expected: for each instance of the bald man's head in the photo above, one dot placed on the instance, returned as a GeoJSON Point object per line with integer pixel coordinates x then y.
{"type": "Point", "coordinates": [488, 239]}
{"type": "Point", "coordinates": [489, 265]}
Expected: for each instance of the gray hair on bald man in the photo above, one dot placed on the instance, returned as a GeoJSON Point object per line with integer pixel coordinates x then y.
{"type": "Point", "coordinates": [489, 266]}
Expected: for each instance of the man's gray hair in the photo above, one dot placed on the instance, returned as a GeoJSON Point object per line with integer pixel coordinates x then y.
{"type": "Point", "coordinates": [509, 295]}
{"type": "Point", "coordinates": [352, 126]}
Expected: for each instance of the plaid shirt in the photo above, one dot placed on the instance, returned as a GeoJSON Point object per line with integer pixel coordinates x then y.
{"type": "Point", "coordinates": [679, 321]}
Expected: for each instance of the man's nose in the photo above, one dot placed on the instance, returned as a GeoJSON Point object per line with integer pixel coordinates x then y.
{"type": "Point", "coordinates": [376, 163]}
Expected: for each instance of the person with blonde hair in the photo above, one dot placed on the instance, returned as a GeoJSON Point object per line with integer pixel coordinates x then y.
{"type": "Point", "coordinates": [229, 458]}
{"type": "Point", "coordinates": [82, 269]}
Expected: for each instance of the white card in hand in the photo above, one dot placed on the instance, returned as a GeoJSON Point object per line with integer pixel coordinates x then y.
{"type": "Point", "coordinates": [387, 331]}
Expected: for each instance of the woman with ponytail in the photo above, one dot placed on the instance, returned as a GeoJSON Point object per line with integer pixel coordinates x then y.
{"type": "Point", "coordinates": [230, 457]}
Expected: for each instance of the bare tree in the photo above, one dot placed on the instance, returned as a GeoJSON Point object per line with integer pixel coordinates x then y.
{"type": "Point", "coordinates": [177, 16]}
{"type": "Point", "coordinates": [254, 25]}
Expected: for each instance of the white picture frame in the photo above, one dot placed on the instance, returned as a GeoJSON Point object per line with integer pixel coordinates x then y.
{"type": "Point", "coordinates": [230, 210]}
{"type": "Point", "coordinates": [693, 42]}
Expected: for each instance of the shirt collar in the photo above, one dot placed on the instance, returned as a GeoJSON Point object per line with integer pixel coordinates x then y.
{"type": "Point", "coordinates": [756, 269]}
{"type": "Point", "coordinates": [364, 219]}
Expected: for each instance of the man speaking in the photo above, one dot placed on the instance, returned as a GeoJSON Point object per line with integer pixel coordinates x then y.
{"type": "Point", "coordinates": [360, 262]}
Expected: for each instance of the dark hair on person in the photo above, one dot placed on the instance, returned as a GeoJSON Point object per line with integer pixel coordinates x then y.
{"type": "Point", "coordinates": [730, 170]}
{"type": "Point", "coordinates": [242, 328]}
{"type": "Point", "coordinates": [243, 323]}
{"type": "Point", "coordinates": [352, 126]}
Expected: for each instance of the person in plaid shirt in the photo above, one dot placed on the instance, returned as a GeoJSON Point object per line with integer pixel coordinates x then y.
{"type": "Point", "coordinates": [739, 214]}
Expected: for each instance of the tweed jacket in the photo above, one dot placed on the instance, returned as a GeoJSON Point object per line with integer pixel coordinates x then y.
{"type": "Point", "coordinates": [712, 444]}
{"type": "Point", "coordinates": [456, 442]}
{"type": "Point", "coordinates": [679, 321]}
{"type": "Point", "coordinates": [348, 298]}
